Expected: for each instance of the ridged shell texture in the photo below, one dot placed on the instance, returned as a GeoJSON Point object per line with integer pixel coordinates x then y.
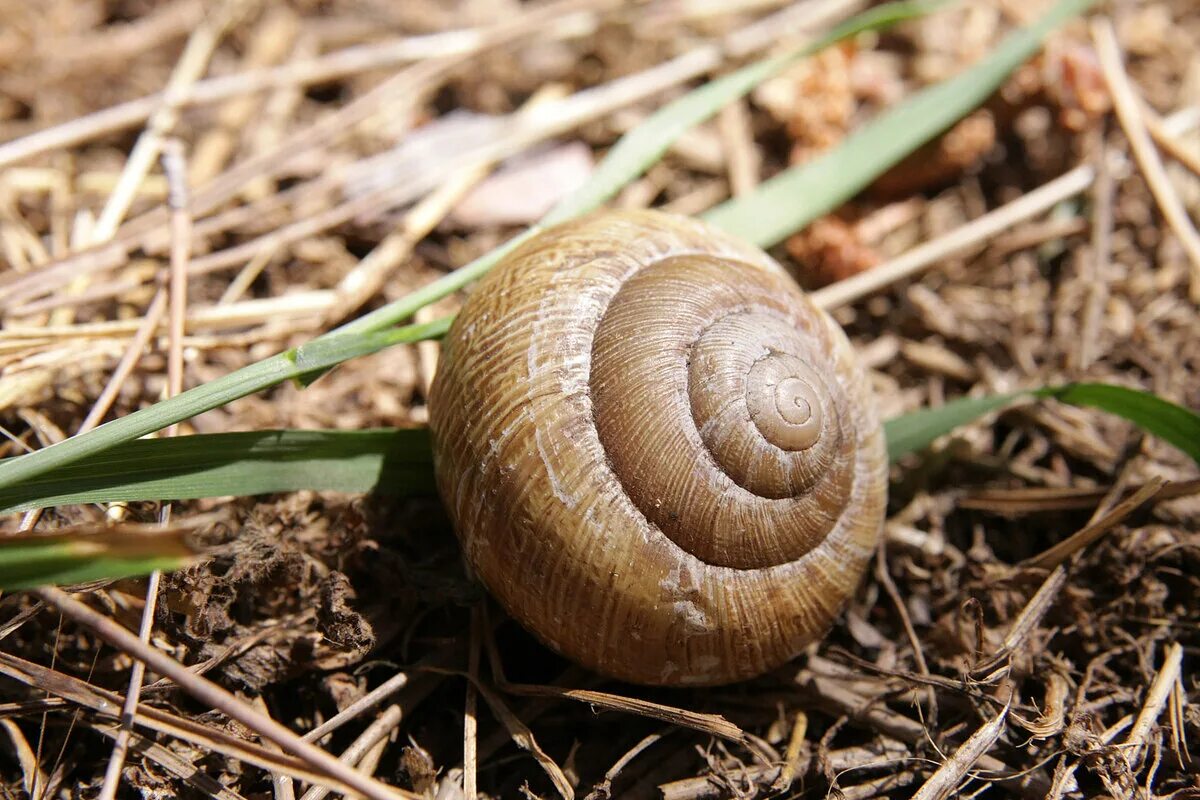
{"type": "Point", "coordinates": [658, 454]}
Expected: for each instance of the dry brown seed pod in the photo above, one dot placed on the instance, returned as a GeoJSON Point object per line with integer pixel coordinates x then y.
{"type": "Point", "coordinates": [658, 454]}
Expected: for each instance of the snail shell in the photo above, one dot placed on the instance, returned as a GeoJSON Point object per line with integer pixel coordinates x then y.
{"type": "Point", "coordinates": [658, 454]}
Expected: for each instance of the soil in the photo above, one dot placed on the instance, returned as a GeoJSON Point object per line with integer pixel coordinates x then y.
{"type": "Point", "coordinates": [309, 600]}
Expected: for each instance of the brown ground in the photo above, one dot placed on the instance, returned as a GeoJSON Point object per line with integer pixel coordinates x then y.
{"type": "Point", "coordinates": [311, 599]}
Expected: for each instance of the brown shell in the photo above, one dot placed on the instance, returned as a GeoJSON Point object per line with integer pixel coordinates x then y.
{"type": "Point", "coordinates": [658, 454]}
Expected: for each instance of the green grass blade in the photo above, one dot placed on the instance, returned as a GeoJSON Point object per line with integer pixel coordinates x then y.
{"type": "Point", "coordinates": [395, 461]}
{"type": "Point", "coordinates": [636, 152]}
{"type": "Point", "coordinates": [795, 197]}
{"type": "Point", "coordinates": [639, 149]}
{"type": "Point", "coordinates": [70, 557]}
{"type": "Point", "coordinates": [1173, 424]}
{"type": "Point", "coordinates": [916, 431]}
{"type": "Point", "coordinates": [373, 331]}
{"type": "Point", "coordinates": [296, 364]}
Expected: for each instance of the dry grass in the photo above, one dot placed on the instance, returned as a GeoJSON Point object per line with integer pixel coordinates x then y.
{"type": "Point", "coordinates": [329, 148]}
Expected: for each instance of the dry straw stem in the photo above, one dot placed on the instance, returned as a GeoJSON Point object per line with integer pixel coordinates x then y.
{"type": "Point", "coordinates": [712, 724]}
{"type": "Point", "coordinates": [376, 732]}
{"type": "Point", "coordinates": [603, 788]}
{"type": "Point", "coordinates": [836, 698]}
{"type": "Point", "coordinates": [374, 270]}
{"type": "Point", "coordinates": [791, 758]}
{"type": "Point", "coordinates": [885, 755]}
{"type": "Point", "coordinates": [1169, 141]}
{"type": "Point", "coordinates": [247, 312]}
{"type": "Point", "coordinates": [470, 718]}
{"type": "Point", "coordinates": [523, 738]}
{"type": "Point", "coordinates": [1094, 267]}
{"type": "Point", "coordinates": [192, 64]}
{"type": "Point", "coordinates": [954, 771]}
{"type": "Point", "coordinates": [133, 353]}
{"type": "Point", "coordinates": [271, 41]}
{"type": "Point", "coordinates": [517, 131]}
{"type": "Point", "coordinates": [1068, 498]}
{"type": "Point", "coordinates": [974, 233]}
{"type": "Point", "coordinates": [1128, 108]}
{"type": "Point", "coordinates": [219, 699]}
{"type": "Point", "coordinates": [1064, 776]}
{"type": "Point", "coordinates": [108, 704]}
{"type": "Point", "coordinates": [282, 786]}
{"type": "Point", "coordinates": [524, 127]}
{"type": "Point", "coordinates": [884, 576]}
{"type": "Point", "coordinates": [1025, 624]}
{"type": "Point", "coordinates": [175, 168]}
{"type": "Point", "coordinates": [1051, 721]}
{"type": "Point", "coordinates": [146, 232]}
{"type": "Point", "coordinates": [32, 775]}
{"type": "Point", "coordinates": [1156, 698]}
{"type": "Point", "coordinates": [176, 765]}
{"type": "Point", "coordinates": [1095, 529]}
{"type": "Point", "coordinates": [298, 74]}
{"type": "Point", "coordinates": [359, 706]}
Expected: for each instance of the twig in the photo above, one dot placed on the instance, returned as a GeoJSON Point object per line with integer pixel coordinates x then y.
{"type": "Point", "coordinates": [470, 720]}
{"type": "Point", "coordinates": [173, 763]}
{"type": "Point", "coordinates": [555, 118]}
{"type": "Point", "coordinates": [951, 773]}
{"type": "Point", "coordinates": [270, 44]}
{"type": "Point", "coordinates": [831, 695]}
{"type": "Point", "coordinates": [359, 706]}
{"type": "Point", "coordinates": [32, 775]}
{"type": "Point", "coordinates": [109, 704]}
{"type": "Point", "coordinates": [1128, 109]}
{"type": "Point", "coordinates": [143, 230]}
{"type": "Point", "coordinates": [217, 698]}
{"type": "Point", "coordinates": [954, 770]}
{"type": "Point", "coordinates": [329, 67]}
{"type": "Point", "coordinates": [282, 786]}
{"type": "Point", "coordinates": [133, 353]}
{"type": "Point", "coordinates": [791, 759]}
{"type": "Point", "coordinates": [959, 240]}
{"type": "Point", "coordinates": [1025, 623]}
{"type": "Point", "coordinates": [741, 154]}
{"type": "Point", "coordinates": [200, 47]}
{"type": "Point", "coordinates": [1169, 142]}
{"type": "Point", "coordinates": [372, 272]}
{"type": "Point", "coordinates": [973, 233]}
{"type": "Point", "coordinates": [176, 170]}
{"type": "Point", "coordinates": [1094, 530]}
{"type": "Point", "coordinates": [1096, 262]}
{"type": "Point", "coordinates": [885, 579]}
{"type": "Point", "coordinates": [376, 732]}
{"type": "Point", "coordinates": [603, 789]}
{"type": "Point", "coordinates": [885, 755]}
{"type": "Point", "coordinates": [1156, 699]}
{"type": "Point", "coordinates": [713, 724]}
{"type": "Point", "coordinates": [1064, 776]}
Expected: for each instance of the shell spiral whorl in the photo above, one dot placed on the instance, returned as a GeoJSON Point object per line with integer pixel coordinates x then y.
{"type": "Point", "coordinates": [658, 454]}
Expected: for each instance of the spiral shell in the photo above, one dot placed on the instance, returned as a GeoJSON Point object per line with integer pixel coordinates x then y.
{"type": "Point", "coordinates": [658, 454]}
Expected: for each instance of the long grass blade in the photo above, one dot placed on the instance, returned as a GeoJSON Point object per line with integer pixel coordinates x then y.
{"type": "Point", "coordinates": [1174, 424]}
{"type": "Point", "coordinates": [374, 331]}
{"type": "Point", "coordinates": [78, 556]}
{"type": "Point", "coordinates": [642, 147]}
{"type": "Point", "coordinates": [294, 364]}
{"type": "Point", "coordinates": [395, 461]}
{"type": "Point", "coordinates": [795, 197]}
{"type": "Point", "coordinates": [399, 461]}
{"type": "Point", "coordinates": [916, 431]}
